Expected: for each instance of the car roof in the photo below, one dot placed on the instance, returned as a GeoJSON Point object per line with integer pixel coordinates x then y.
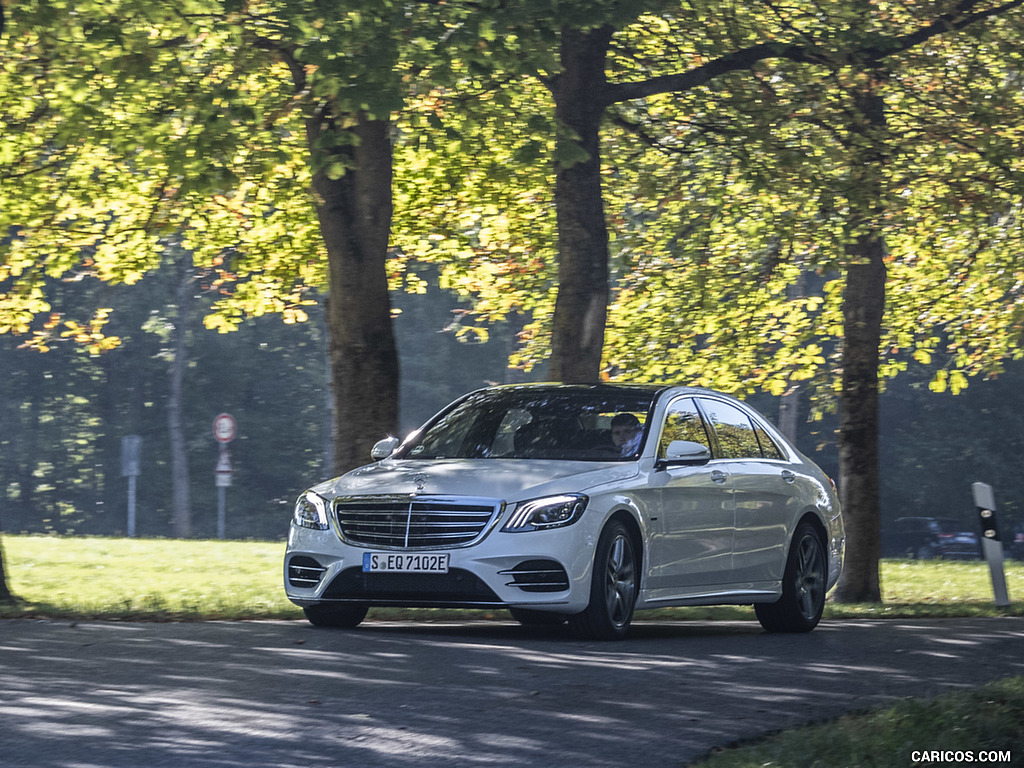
{"type": "Point", "coordinates": [599, 386]}
{"type": "Point", "coordinates": [605, 387]}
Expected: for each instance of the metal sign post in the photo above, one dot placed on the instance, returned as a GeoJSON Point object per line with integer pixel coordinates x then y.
{"type": "Point", "coordinates": [991, 544]}
{"type": "Point", "coordinates": [131, 467]}
{"type": "Point", "coordinates": [224, 432]}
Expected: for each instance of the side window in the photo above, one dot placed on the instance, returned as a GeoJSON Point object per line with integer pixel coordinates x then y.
{"type": "Point", "coordinates": [736, 438]}
{"type": "Point", "coordinates": [682, 422]}
{"type": "Point", "coordinates": [769, 448]}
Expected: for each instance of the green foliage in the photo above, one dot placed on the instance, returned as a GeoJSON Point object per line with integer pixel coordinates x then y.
{"type": "Point", "coordinates": [750, 184]}
{"type": "Point", "coordinates": [147, 122]}
{"type": "Point", "coordinates": [132, 123]}
{"type": "Point", "coordinates": [721, 199]}
{"type": "Point", "coordinates": [986, 719]}
{"type": "Point", "coordinates": [473, 190]}
{"type": "Point", "coordinates": [137, 124]}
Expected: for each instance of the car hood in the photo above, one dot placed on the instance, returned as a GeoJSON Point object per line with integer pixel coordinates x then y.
{"type": "Point", "coordinates": [508, 479]}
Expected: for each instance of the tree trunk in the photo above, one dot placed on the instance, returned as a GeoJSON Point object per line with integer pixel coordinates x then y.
{"type": "Point", "coordinates": [6, 596]}
{"type": "Point", "coordinates": [858, 424]}
{"type": "Point", "coordinates": [5, 429]}
{"type": "Point", "coordinates": [328, 432]}
{"type": "Point", "coordinates": [863, 309]}
{"type": "Point", "coordinates": [181, 503]}
{"type": "Point", "coordinates": [354, 212]}
{"type": "Point", "coordinates": [581, 308]}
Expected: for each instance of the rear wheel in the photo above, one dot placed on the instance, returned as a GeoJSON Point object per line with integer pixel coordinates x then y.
{"type": "Point", "coordinates": [336, 615]}
{"type": "Point", "coordinates": [803, 586]}
{"type": "Point", "coordinates": [613, 587]}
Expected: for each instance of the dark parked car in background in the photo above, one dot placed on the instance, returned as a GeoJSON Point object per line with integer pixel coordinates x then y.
{"type": "Point", "coordinates": [1013, 542]}
{"type": "Point", "coordinates": [928, 538]}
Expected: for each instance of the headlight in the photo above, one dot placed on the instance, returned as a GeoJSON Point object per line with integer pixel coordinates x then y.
{"type": "Point", "coordinates": [311, 511]}
{"type": "Point", "coordinates": [549, 512]}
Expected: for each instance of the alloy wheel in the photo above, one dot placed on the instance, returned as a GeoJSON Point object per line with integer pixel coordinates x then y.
{"type": "Point", "coordinates": [620, 580]}
{"type": "Point", "coordinates": [810, 576]}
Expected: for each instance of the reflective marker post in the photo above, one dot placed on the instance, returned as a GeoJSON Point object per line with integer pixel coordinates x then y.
{"type": "Point", "coordinates": [222, 479]}
{"type": "Point", "coordinates": [985, 501]}
{"type": "Point", "coordinates": [131, 467]}
{"type": "Point", "coordinates": [224, 433]}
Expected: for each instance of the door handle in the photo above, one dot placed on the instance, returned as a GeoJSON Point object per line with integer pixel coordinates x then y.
{"type": "Point", "coordinates": [788, 476]}
{"type": "Point", "coordinates": [718, 476]}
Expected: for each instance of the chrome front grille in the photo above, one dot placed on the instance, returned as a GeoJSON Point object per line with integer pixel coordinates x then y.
{"type": "Point", "coordinates": [414, 522]}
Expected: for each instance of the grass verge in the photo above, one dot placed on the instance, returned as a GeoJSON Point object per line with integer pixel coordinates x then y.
{"type": "Point", "coordinates": [984, 725]}
{"type": "Point", "coordinates": [182, 580]}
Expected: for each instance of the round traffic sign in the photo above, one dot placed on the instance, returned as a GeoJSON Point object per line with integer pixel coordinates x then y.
{"type": "Point", "coordinates": [224, 428]}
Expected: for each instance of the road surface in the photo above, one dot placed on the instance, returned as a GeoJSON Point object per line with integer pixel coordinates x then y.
{"type": "Point", "coordinates": [284, 694]}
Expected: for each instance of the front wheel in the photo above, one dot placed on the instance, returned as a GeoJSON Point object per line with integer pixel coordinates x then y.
{"type": "Point", "coordinates": [800, 607]}
{"type": "Point", "coordinates": [613, 587]}
{"type": "Point", "coordinates": [337, 616]}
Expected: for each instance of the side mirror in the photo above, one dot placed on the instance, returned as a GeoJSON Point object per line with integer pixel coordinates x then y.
{"type": "Point", "coordinates": [684, 453]}
{"type": "Point", "coordinates": [384, 448]}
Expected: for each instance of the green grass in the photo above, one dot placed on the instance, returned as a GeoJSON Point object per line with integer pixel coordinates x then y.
{"type": "Point", "coordinates": [936, 588]}
{"type": "Point", "coordinates": [170, 579]}
{"type": "Point", "coordinates": [987, 719]}
{"type": "Point", "coordinates": [151, 579]}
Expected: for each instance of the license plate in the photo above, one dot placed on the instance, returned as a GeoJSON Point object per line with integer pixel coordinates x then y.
{"type": "Point", "coordinates": [405, 562]}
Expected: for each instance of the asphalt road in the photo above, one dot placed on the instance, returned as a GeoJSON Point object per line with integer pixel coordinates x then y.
{"type": "Point", "coordinates": [254, 694]}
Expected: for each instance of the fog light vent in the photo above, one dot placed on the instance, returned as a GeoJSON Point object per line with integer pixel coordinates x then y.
{"type": "Point", "coordinates": [304, 572]}
{"type": "Point", "coordinates": [538, 576]}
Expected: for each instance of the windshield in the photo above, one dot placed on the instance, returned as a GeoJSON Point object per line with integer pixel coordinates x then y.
{"type": "Point", "coordinates": [579, 424]}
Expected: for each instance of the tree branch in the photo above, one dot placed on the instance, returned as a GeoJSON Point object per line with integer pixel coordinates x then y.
{"type": "Point", "coordinates": [705, 73]}
{"type": "Point", "coordinates": [961, 17]}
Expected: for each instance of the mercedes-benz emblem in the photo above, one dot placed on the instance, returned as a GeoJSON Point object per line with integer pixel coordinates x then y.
{"type": "Point", "coordinates": [421, 482]}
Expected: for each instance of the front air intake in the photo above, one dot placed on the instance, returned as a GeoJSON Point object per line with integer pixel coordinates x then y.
{"type": "Point", "coordinates": [304, 572]}
{"type": "Point", "coordinates": [538, 576]}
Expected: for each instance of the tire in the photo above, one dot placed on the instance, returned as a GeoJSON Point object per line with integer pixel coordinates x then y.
{"type": "Point", "coordinates": [614, 587]}
{"type": "Point", "coordinates": [337, 615]}
{"type": "Point", "coordinates": [803, 586]}
{"type": "Point", "coordinates": [533, 618]}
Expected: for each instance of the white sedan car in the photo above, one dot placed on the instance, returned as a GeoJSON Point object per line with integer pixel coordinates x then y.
{"type": "Point", "coordinates": [574, 502]}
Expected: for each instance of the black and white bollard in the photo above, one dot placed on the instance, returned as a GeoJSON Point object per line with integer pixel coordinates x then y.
{"type": "Point", "coordinates": [991, 543]}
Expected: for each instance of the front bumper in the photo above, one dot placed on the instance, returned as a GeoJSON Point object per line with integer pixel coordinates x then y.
{"type": "Point", "coordinates": [544, 570]}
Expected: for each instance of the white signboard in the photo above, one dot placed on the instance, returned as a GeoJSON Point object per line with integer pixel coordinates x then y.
{"type": "Point", "coordinates": [224, 428]}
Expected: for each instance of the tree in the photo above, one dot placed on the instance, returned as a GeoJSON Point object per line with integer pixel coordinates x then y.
{"type": "Point", "coordinates": [856, 204]}
{"type": "Point", "coordinates": [6, 596]}
{"type": "Point", "coordinates": [863, 311]}
{"type": "Point", "coordinates": [849, 48]}
{"type": "Point", "coordinates": [234, 127]}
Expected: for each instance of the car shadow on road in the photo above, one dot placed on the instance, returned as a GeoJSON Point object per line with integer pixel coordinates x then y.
{"type": "Point", "coordinates": [511, 630]}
